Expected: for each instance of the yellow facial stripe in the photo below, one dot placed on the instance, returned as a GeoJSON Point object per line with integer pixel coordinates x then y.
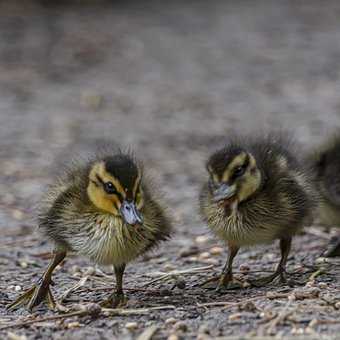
{"type": "Point", "coordinates": [239, 160]}
{"type": "Point", "coordinates": [99, 169]}
{"type": "Point", "coordinates": [215, 178]}
{"type": "Point", "coordinates": [102, 201]}
{"type": "Point", "coordinates": [136, 185]}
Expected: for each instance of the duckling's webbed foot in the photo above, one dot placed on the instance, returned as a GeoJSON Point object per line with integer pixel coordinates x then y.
{"type": "Point", "coordinates": [263, 281]}
{"type": "Point", "coordinates": [116, 299]}
{"type": "Point", "coordinates": [41, 290]}
{"type": "Point", "coordinates": [222, 282]}
{"type": "Point", "coordinates": [34, 296]}
{"type": "Point", "coordinates": [285, 245]}
{"type": "Point", "coordinates": [226, 280]}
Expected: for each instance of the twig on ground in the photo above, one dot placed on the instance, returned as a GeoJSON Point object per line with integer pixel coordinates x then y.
{"type": "Point", "coordinates": [75, 287]}
{"type": "Point", "coordinates": [89, 310]}
{"type": "Point", "coordinates": [285, 312]}
{"type": "Point", "coordinates": [175, 273]}
{"type": "Point", "coordinates": [138, 311]}
{"type": "Point", "coordinates": [228, 304]}
{"type": "Point", "coordinates": [316, 274]}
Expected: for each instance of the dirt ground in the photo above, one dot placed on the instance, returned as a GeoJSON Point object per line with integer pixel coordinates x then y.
{"type": "Point", "coordinates": [171, 81]}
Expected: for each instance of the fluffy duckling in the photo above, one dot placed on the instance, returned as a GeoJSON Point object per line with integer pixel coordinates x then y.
{"type": "Point", "coordinates": [326, 163]}
{"type": "Point", "coordinates": [257, 192]}
{"type": "Point", "coordinates": [102, 210]}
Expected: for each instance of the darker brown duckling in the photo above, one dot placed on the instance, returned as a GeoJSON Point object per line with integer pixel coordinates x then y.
{"type": "Point", "coordinates": [257, 192]}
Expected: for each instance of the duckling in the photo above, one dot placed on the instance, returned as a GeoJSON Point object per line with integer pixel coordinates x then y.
{"type": "Point", "coordinates": [257, 192]}
{"type": "Point", "coordinates": [102, 210]}
{"type": "Point", "coordinates": [326, 163]}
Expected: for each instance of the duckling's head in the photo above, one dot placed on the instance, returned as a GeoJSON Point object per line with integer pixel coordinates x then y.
{"type": "Point", "coordinates": [114, 186]}
{"type": "Point", "coordinates": [234, 175]}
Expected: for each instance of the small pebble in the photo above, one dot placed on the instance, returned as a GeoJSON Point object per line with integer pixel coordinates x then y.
{"type": "Point", "coordinates": [75, 271]}
{"type": "Point", "coordinates": [267, 315]}
{"type": "Point", "coordinates": [193, 259]}
{"type": "Point", "coordinates": [173, 337]}
{"type": "Point", "coordinates": [310, 284]}
{"type": "Point", "coordinates": [216, 251]}
{"type": "Point", "coordinates": [131, 326]}
{"type": "Point", "coordinates": [89, 271]}
{"type": "Point", "coordinates": [236, 316]}
{"type": "Point", "coordinates": [180, 283]}
{"type": "Point", "coordinates": [17, 288]}
{"type": "Point", "coordinates": [298, 331]}
{"type": "Point", "coordinates": [93, 309]}
{"type": "Point", "coordinates": [170, 321]}
{"type": "Point", "coordinates": [244, 268]}
{"type": "Point", "coordinates": [204, 256]}
{"type": "Point", "coordinates": [202, 336]}
{"type": "Point", "coordinates": [322, 285]}
{"type": "Point", "coordinates": [293, 297]}
{"type": "Point", "coordinates": [180, 326]}
{"type": "Point", "coordinates": [165, 292]}
{"type": "Point", "coordinates": [201, 239]}
{"type": "Point", "coordinates": [321, 260]}
{"type": "Point", "coordinates": [248, 306]}
{"type": "Point", "coordinates": [74, 324]}
{"type": "Point", "coordinates": [23, 264]}
{"type": "Point", "coordinates": [17, 214]}
{"type": "Point", "coordinates": [13, 336]}
{"type": "Point", "coordinates": [204, 329]}
{"type": "Point", "coordinates": [211, 261]}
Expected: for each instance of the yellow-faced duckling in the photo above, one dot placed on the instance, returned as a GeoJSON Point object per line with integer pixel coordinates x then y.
{"type": "Point", "coordinates": [257, 192]}
{"type": "Point", "coordinates": [103, 210]}
{"type": "Point", "coordinates": [327, 173]}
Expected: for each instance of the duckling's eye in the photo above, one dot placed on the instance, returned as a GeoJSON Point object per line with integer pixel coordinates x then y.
{"type": "Point", "coordinates": [109, 188]}
{"type": "Point", "coordinates": [239, 171]}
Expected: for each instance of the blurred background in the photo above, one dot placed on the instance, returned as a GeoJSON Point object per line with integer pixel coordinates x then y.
{"type": "Point", "coordinates": [169, 80]}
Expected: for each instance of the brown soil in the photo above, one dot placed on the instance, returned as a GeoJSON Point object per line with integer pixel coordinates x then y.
{"type": "Point", "coordinates": [170, 81]}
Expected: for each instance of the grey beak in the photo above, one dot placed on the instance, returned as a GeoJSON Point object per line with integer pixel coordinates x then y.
{"type": "Point", "coordinates": [223, 192]}
{"type": "Point", "coordinates": [130, 213]}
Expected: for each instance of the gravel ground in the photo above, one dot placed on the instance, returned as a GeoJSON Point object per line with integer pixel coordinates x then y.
{"type": "Point", "coordinates": [171, 82]}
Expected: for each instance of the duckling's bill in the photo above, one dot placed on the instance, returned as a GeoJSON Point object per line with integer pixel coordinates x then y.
{"type": "Point", "coordinates": [224, 192]}
{"type": "Point", "coordinates": [130, 213]}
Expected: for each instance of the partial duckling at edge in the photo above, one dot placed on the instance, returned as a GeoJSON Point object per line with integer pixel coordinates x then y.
{"type": "Point", "coordinates": [257, 192]}
{"type": "Point", "coordinates": [102, 210]}
{"type": "Point", "coordinates": [326, 162]}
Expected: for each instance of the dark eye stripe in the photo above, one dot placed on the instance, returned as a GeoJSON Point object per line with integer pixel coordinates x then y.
{"type": "Point", "coordinates": [103, 184]}
{"type": "Point", "coordinates": [95, 183]}
{"type": "Point", "coordinates": [246, 162]}
{"type": "Point", "coordinates": [99, 179]}
{"type": "Point", "coordinates": [240, 170]}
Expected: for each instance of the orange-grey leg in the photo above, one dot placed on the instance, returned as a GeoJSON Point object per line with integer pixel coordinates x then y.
{"type": "Point", "coordinates": [41, 290]}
